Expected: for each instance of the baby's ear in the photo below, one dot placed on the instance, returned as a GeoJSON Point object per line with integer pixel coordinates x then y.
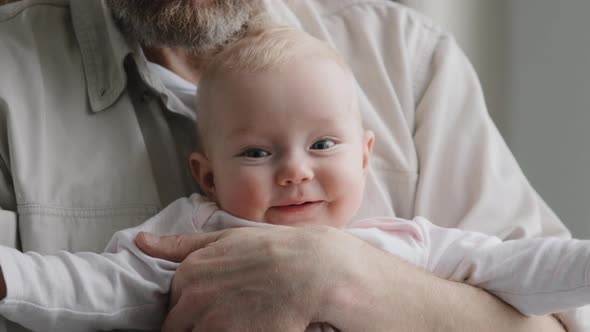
{"type": "Point", "coordinates": [368, 141]}
{"type": "Point", "coordinates": [203, 173]}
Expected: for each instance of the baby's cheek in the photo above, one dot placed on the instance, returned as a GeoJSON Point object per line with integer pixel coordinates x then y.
{"type": "Point", "coordinates": [243, 197]}
{"type": "Point", "coordinates": [347, 183]}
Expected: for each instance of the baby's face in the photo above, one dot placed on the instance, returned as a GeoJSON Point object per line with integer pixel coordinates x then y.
{"type": "Point", "coordinates": [286, 146]}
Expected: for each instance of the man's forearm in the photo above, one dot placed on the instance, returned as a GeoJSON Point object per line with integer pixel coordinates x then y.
{"type": "Point", "coordinates": [473, 309]}
{"type": "Point", "coordinates": [411, 299]}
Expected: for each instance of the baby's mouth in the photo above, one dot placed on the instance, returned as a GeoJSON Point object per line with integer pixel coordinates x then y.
{"type": "Point", "coordinates": [295, 213]}
{"type": "Point", "coordinates": [297, 206]}
{"type": "Point", "coordinates": [300, 204]}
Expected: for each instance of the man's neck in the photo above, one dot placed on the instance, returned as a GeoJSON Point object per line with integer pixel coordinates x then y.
{"type": "Point", "coordinates": [184, 62]}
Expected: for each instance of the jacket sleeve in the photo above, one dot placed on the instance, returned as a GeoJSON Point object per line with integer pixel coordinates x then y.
{"type": "Point", "coordinates": [468, 177]}
{"type": "Point", "coordinates": [120, 289]}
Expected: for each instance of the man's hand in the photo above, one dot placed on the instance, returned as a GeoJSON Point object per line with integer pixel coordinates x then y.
{"type": "Point", "coordinates": [284, 279]}
{"type": "Point", "coordinates": [247, 279]}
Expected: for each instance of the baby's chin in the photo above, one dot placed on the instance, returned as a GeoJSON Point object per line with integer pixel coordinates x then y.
{"type": "Point", "coordinates": [304, 223]}
{"type": "Point", "coordinates": [297, 221]}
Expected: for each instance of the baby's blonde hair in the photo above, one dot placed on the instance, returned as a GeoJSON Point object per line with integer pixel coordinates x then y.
{"type": "Point", "coordinates": [264, 47]}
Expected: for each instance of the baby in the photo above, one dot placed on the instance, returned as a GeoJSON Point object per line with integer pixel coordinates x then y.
{"type": "Point", "coordinates": [281, 142]}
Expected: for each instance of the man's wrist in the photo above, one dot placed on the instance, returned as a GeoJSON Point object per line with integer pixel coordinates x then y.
{"type": "Point", "coordinates": [371, 291]}
{"type": "Point", "coordinates": [474, 309]}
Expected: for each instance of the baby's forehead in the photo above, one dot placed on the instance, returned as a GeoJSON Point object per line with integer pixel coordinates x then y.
{"type": "Point", "coordinates": [272, 109]}
{"type": "Point", "coordinates": [303, 80]}
{"type": "Point", "coordinates": [267, 54]}
{"type": "Point", "coordinates": [309, 82]}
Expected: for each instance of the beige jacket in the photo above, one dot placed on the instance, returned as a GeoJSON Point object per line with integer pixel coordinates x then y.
{"type": "Point", "coordinates": [91, 142]}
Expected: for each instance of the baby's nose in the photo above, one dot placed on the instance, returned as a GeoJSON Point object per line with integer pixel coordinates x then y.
{"type": "Point", "coordinates": [294, 172]}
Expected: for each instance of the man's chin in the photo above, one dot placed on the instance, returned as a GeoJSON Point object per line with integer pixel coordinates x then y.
{"type": "Point", "coordinates": [195, 24]}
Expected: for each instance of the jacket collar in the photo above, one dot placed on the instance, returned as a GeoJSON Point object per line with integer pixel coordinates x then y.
{"type": "Point", "coordinates": [104, 49]}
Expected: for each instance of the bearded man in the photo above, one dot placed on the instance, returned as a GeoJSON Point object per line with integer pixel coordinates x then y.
{"type": "Point", "coordinates": [96, 127]}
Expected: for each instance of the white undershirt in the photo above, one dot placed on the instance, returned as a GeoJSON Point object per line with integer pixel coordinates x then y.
{"type": "Point", "coordinates": [183, 89]}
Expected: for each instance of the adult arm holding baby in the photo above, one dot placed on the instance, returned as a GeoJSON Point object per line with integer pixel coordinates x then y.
{"type": "Point", "coordinates": [348, 284]}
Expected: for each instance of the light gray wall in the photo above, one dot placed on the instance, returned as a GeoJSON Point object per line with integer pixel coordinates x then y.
{"type": "Point", "coordinates": [549, 102]}
{"type": "Point", "coordinates": [533, 57]}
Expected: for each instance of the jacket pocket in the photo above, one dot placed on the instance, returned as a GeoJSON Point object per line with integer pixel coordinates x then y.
{"type": "Point", "coordinates": [48, 229]}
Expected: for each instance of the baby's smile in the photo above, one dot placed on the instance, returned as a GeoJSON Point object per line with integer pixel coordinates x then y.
{"type": "Point", "coordinates": [296, 212]}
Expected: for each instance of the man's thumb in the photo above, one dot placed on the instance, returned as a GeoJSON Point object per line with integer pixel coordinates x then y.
{"type": "Point", "coordinates": [173, 247]}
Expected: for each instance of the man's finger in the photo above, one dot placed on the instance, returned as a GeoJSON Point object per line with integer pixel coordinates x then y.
{"type": "Point", "coordinates": [174, 247]}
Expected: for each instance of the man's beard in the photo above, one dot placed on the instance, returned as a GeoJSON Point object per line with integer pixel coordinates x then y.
{"type": "Point", "coordinates": [199, 25]}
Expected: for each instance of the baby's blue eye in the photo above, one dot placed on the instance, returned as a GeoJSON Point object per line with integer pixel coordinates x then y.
{"type": "Point", "coordinates": [323, 144]}
{"type": "Point", "coordinates": [254, 153]}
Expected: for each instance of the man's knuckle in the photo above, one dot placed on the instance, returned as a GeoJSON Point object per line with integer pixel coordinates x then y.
{"type": "Point", "coordinates": [271, 249]}
{"type": "Point", "coordinates": [192, 295]}
{"type": "Point", "coordinates": [180, 242]}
